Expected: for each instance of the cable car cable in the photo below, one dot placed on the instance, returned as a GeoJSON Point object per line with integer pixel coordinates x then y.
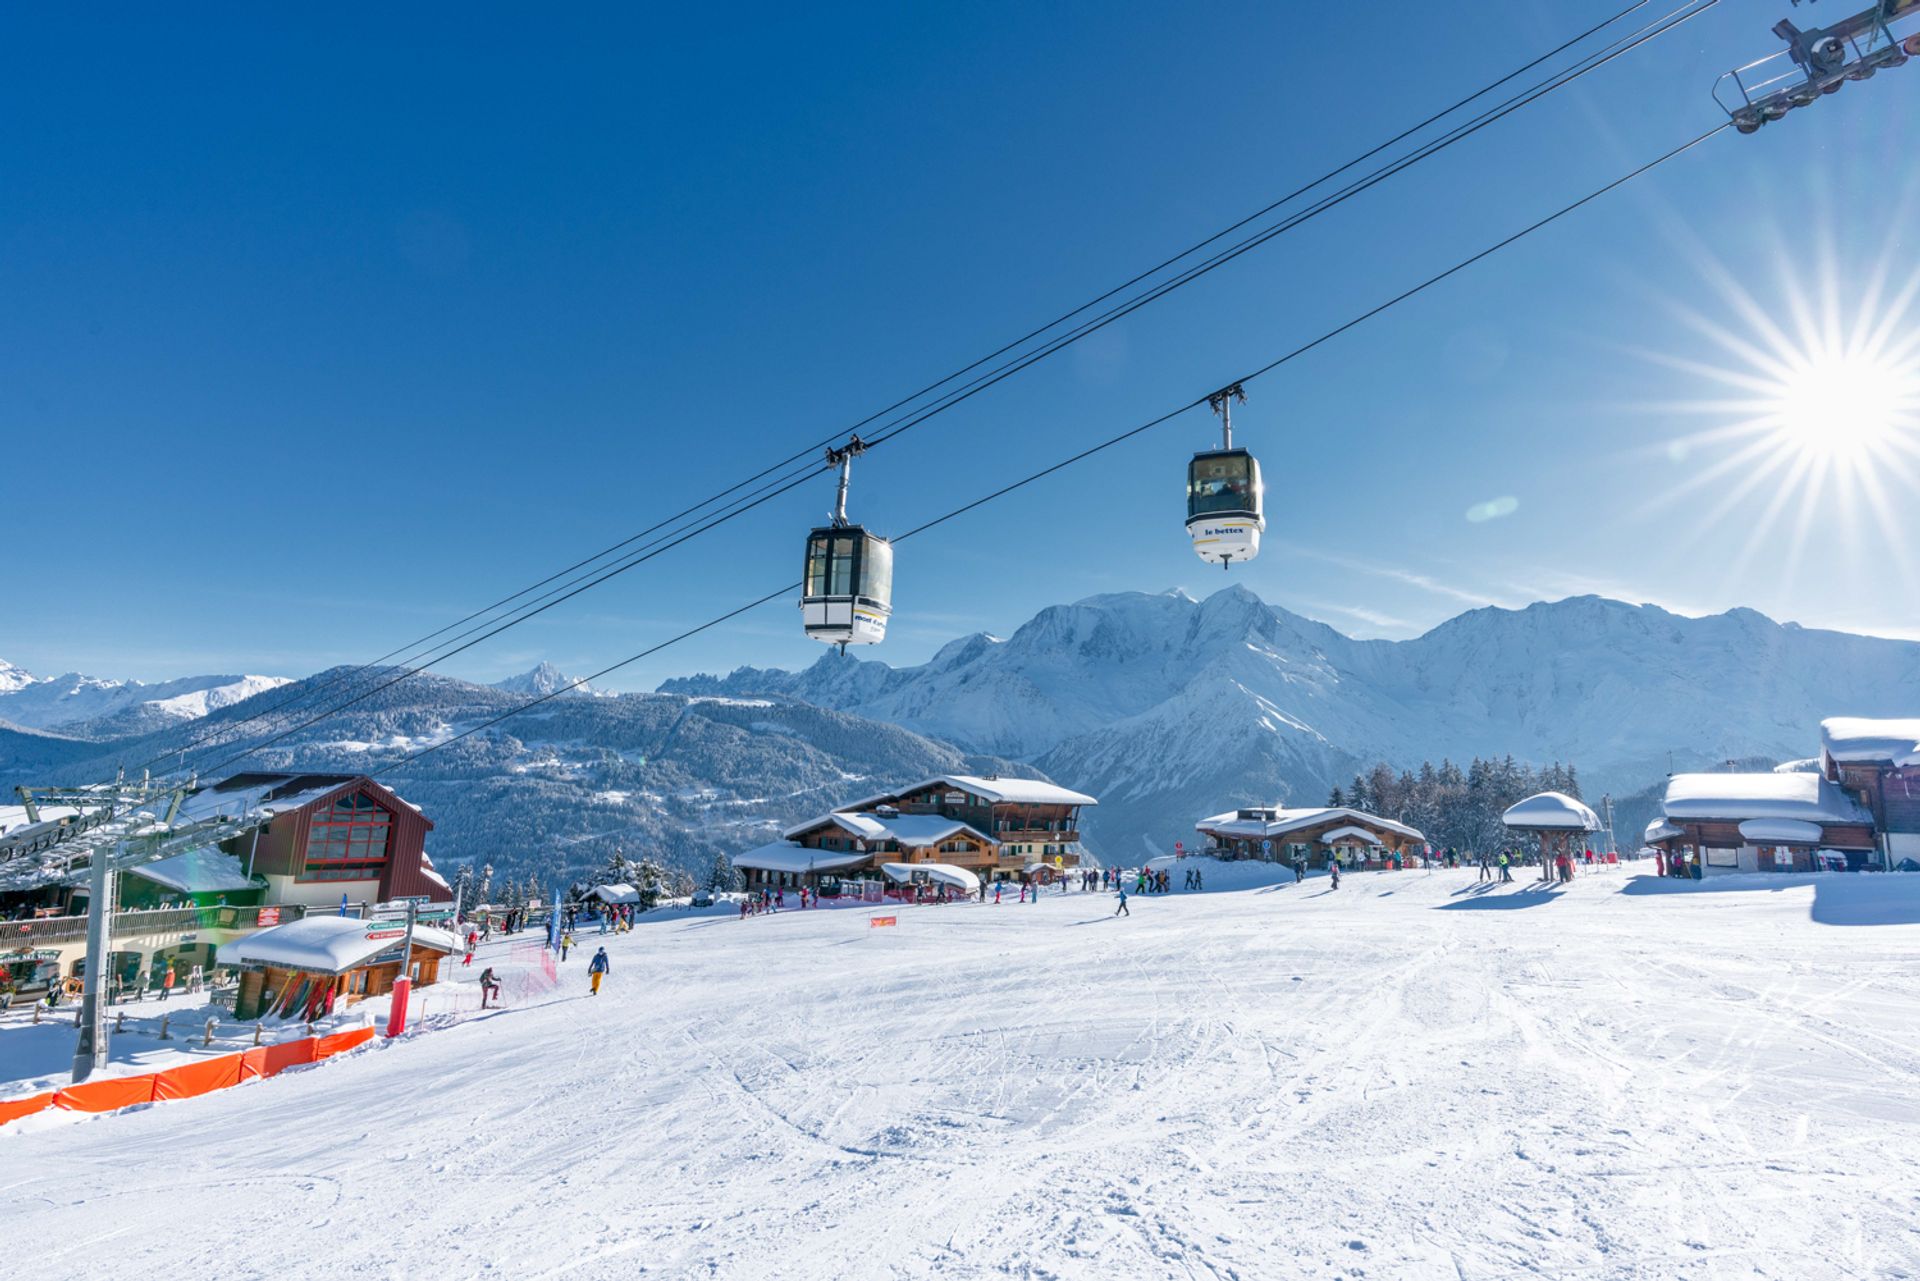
{"type": "Point", "coordinates": [1091, 450]}
{"type": "Point", "coordinates": [311, 691]}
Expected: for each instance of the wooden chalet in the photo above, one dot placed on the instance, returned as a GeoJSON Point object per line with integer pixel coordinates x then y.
{"type": "Point", "coordinates": [1554, 822]}
{"type": "Point", "coordinates": [1774, 822]}
{"type": "Point", "coordinates": [992, 828]}
{"type": "Point", "coordinates": [1876, 762]}
{"type": "Point", "coordinates": [308, 967]}
{"type": "Point", "coordinates": [1355, 837]}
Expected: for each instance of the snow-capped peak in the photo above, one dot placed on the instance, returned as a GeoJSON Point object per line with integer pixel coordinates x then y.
{"type": "Point", "coordinates": [542, 680]}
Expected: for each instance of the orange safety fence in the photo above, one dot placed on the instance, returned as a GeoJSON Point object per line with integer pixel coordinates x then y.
{"type": "Point", "coordinates": [200, 1076]}
{"type": "Point", "coordinates": [13, 1109]}
{"type": "Point", "coordinates": [105, 1096]}
{"type": "Point", "coordinates": [203, 1076]}
{"type": "Point", "coordinates": [271, 1060]}
{"type": "Point", "coordinates": [341, 1042]}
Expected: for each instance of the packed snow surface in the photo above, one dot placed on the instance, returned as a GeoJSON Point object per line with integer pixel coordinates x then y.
{"type": "Point", "coordinates": [1413, 1076]}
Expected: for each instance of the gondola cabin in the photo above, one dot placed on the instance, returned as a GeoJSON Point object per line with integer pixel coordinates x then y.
{"type": "Point", "coordinates": [847, 595]}
{"type": "Point", "coordinates": [1224, 516]}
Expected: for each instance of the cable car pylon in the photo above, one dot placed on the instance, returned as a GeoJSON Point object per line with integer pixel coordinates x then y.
{"type": "Point", "coordinates": [1224, 493]}
{"type": "Point", "coordinates": [847, 591]}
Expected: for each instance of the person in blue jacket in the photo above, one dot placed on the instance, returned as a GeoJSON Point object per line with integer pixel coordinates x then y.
{"type": "Point", "coordinates": [597, 969]}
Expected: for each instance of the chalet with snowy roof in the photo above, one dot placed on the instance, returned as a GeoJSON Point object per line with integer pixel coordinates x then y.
{"type": "Point", "coordinates": [1557, 823]}
{"type": "Point", "coordinates": [1877, 763]}
{"type": "Point", "coordinates": [309, 967]}
{"type": "Point", "coordinates": [954, 829]}
{"type": "Point", "coordinates": [1355, 837]}
{"type": "Point", "coordinates": [1775, 822]}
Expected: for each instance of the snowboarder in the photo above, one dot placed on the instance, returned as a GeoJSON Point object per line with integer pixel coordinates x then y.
{"type": "Point", "coordinates": [597, 969]}
{"type": "Point", "coordinates": [489, 987]}
{"type": "Point", "coordinates": [1122, 909]}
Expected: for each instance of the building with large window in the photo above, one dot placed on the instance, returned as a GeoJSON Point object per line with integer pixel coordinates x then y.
{"type": "Point", "coordinates": [993, 828]}
{"type": "Point", "coordinates": [330, 834]}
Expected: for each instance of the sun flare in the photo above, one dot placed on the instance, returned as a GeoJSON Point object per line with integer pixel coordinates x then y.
{"type": "Point", "coordinates": [1842, 410]}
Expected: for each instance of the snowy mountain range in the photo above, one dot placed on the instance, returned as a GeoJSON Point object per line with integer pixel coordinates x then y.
{"type": "Point", "coordinates": [1170, 708]}
{"type": "Point", "coordinates": [108, 708]}
{"type": "Point", "coordinates": [1166, 707]}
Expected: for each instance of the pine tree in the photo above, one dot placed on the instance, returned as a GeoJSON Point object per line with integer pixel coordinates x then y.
{"type": "Point", "coordinates": [1337, 800]}
{"type": "Point", "coordinates": [721, 877]}
{"type": "Point", "coordinates": [650, 885]}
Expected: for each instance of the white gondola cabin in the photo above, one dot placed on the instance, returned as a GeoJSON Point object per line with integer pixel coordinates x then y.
{"type": "Point", "coordinates": [848, 592]}
{"type": "Point", "coordinates": [1224, 505]}
{"type": "Point", "coordinates": [1224, 493]}
{"type": "Point", "coordinates": [846, 595]}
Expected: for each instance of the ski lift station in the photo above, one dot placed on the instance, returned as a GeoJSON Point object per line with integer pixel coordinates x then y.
{"type": "Point", "coordinates": [195, 868]}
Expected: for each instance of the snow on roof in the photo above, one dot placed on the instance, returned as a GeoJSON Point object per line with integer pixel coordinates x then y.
{"type": "Point", "coordinates": [1741, 796]}
{"type": "Point", "coordinates": [1552, 811]}
{"type": "Point", "coordinates": [944, 873]}
{"type": "Point", "coordinates": [328, 944]}
{"type": "Point", "coordinates": [201, 871]}
{"type": "Point", "coordinates": [1860, 739]}
{"type": "Point", "coordinates": [1286, 820]}
{"type": "Point", "coordinates": [1661, 830]}
{"type": "Point", "coordinates": [1350, 834]}
{"type": "Point", "coordinates": [618, 892]}
{"type": "Point", "coordinates": [1016, 791]}
{"type": "Point", "coordinates": [997, 791]}
{"type": "Point", "coordinates": [785, 856]}
{"type": "Point", "coordinates": [909, 831]}
{"type": "Point", "coordinates": [1782, 831]}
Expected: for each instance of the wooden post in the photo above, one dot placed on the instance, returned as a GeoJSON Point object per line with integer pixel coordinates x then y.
{"type": "Point", "coordinates": [210, 1023]}
{"type": "Point", "coordinates": [163, 1027]}
{"type": "Point", "coordinates": [256, 1033]}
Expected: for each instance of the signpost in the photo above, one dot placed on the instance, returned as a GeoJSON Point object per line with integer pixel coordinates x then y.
{"type": "Point", "coordinates": [403, 985]}
{"type": "Point", "coordinates": [267, 916]}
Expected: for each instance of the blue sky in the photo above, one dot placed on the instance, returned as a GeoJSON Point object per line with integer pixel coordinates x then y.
{"type": "Point", "coordinates": [315, 335]}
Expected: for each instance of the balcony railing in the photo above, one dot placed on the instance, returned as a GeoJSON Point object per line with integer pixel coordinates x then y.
{"type": "Point", "coordinates": [167, 920]}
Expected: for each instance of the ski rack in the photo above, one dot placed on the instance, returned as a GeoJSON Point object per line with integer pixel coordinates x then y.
{"type": "Point", "coordinates": [1822, 60]}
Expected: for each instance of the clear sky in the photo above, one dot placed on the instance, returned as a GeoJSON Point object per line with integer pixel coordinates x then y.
{"type": "Point", "coordinates": [318, 330]}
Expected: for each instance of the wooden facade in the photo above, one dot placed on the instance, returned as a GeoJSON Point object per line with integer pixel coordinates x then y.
{"type": "Point", "coordinates": [262, 986]}
{"type": "Point", "coordinates": [1307, 836]}
{"type": "Point", "coordinates": [985, 832]}
{"type": "Point", "coordinates": [1891, 793]}
{"type": "Point", "coordinates": [281, 851]}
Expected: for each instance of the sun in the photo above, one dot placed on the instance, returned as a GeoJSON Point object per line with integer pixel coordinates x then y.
{"type": "Point", "coordinates": [1813, 403]}
{"type": "Point", "coordinates": [1843, 410]}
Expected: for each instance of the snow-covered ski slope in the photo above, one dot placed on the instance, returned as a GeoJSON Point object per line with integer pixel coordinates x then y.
{"type": "Point", "coordinates": [1409, 1077]}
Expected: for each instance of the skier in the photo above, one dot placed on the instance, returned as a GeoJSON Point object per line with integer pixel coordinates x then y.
{"type": "Point", "coordinates": [597, 969]}
{"type": "Point", "coordinates": [1486, 867]}
{"type": "Point", "coordinates": [489, 986]}
{"type": "Point", "coordinates": [1333, 870]}
{"type": "Point", "coordinates": [1122, 909]}
{"type": "Point", "coordinates": [166, 982]}
{"type": "Point", "coordinates": [1506, 871]}
{"type": "Point", "coordinates": [1199, 881]}
{"type": "Point", "coordinates": [996, 892]}
{"type": "Point", "coordinates": [1299, 869]}
{"type": "Point", "coordinates": [566, 941]}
